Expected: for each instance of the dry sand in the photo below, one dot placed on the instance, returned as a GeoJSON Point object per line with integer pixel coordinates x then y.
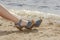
{"type": "Point", "coordinates": [48, 30]}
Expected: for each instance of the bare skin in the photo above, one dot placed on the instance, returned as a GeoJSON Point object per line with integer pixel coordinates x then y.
{"type": "Point", "coordinates": [7, 15]}
{"type": "Point", "coordinates": [24, 23]}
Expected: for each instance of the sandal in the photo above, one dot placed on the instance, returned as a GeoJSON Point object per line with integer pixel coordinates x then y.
{"type": "Point", "coordinates": [28, 26]}
{"type": "Point", "coordinates": [32, 24]}
{"type": "Point", "coordinates": [37, 23]}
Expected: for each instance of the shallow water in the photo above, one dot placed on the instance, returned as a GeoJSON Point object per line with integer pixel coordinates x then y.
{"type": "Point", "coordinates": [48, 6]}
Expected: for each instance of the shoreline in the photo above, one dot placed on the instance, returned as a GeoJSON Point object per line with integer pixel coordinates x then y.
{"type": "Point", "coordinates": [37, 12]}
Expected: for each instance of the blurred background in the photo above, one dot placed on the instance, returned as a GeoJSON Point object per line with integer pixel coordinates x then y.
{"type": "Point", "coordinates": [47, 6]}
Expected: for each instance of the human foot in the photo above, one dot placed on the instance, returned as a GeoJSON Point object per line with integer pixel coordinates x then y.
{"type": "Point", "coordinates": [23, 23]}
{"type": "Point", "coordinates": [36, 23]}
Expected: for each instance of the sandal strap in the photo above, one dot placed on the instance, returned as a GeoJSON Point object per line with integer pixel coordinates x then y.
{"type": "Point", "coordinates": [19, 23]}
{"type": "Point", "coordinates": [29, 25]}
{"type": "Point", "coordinates": [37, 24]}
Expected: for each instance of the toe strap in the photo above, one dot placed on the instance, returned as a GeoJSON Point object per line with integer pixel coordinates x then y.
{"type": "Point", "coordinates": [29, 25]}
{"type": "Point", "coordinates": [37, 24]}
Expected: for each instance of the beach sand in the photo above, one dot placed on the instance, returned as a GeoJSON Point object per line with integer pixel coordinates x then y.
{"type": "Point", "coordinates": [48, 30]}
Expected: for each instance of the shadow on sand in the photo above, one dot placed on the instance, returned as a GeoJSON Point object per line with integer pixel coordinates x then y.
{"type": "Point", "coordinates": [2, 33]}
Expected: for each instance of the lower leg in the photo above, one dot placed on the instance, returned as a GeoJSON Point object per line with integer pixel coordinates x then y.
{"type": "Point", "coordinates": [4, 13]}
{"type": "Point", "coordinates": [7, 15]}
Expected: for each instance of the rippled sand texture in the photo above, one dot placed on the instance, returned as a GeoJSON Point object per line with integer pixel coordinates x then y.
{"type": "Point", "coordinates": [48, 30]}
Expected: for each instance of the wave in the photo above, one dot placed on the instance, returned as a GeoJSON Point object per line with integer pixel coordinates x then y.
{"type": "Point", "coordinates": [36, 13]}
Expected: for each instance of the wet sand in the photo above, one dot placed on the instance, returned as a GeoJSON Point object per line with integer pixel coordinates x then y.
{"type": "Point", "coordinates": [48, 30]}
